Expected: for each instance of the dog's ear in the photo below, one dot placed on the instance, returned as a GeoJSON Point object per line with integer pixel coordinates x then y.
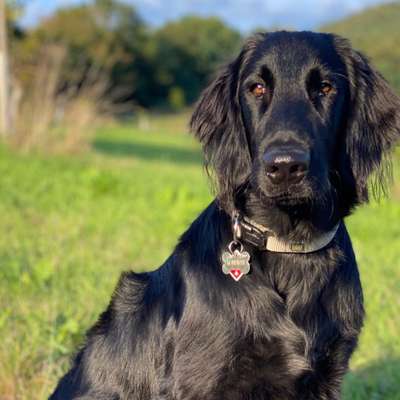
{"type": "Point", "coordinates": [373, 126]}
{"type": "Point", "coordinates": [217, 123]}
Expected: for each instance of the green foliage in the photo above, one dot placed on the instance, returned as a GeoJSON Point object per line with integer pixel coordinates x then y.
{"type": "Point", "coordinates": [104, 38]}
{"type": "Point", "coordinates": [176, 98]}
{"type": "Point", "coordinates": [166, 67]}
{"type": "Point", "coordinates": [70, 225]}
{"type": "Point", "coordinates": [188, 51]}
{"type": "Point", "coordinates": [375, 32]}
{"type": "Point", "coordinates": [13, 10]}
{"type": "Point", "coordinates": [169, 66]}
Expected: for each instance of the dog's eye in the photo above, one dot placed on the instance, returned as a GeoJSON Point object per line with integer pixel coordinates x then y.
{"type": "Point", "coordinates": [325, 89]}
{"type": "Point", "coordinates": [258, 90]}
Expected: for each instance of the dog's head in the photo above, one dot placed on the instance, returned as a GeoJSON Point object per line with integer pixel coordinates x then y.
{"type": "Point", "coordinates": [296, 117]}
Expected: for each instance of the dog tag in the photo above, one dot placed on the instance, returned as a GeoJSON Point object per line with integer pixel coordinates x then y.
{"type": "Point", "coordinates": [236, 262]}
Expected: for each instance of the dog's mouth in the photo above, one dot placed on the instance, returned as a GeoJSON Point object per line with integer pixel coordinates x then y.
{"type": "Point", "coordinates": [292, 194]}
{"type": "Point", "coordinates": [314, 188]}
{"type": "Point", "coordinates": [308, 191]}
{"type": "Point", "coordinates": [287, 199]}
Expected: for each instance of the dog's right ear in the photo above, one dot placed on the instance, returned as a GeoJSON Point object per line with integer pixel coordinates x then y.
{"type": "Point", "coordinates": [373, 126]}
{"type": "Point", "coordinates": [217, 123]}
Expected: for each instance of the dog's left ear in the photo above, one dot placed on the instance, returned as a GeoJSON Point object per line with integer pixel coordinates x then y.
{"type": "Point", "coordinates": [217, 123]}
{"type": "Point", "coordinates": [373, 124]}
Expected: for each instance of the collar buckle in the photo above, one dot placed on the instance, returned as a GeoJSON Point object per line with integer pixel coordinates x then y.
{"type": "Point", "coordinates": [253, 234]}
{"type": "Point", "coordinates": [297, 247]}
{"type": "Point", "coordinates": [261, 237]}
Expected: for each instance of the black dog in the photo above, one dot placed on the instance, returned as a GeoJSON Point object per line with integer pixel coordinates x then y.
{"type": "Point", "coordinates": [291, 129]}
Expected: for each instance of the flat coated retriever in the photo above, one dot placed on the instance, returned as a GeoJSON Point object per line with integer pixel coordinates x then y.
{"type": "Point", "coordinates": [261, 299]}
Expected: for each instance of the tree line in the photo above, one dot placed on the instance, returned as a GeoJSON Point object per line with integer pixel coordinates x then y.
{"type": "Point", "coordinates": [107, 42]}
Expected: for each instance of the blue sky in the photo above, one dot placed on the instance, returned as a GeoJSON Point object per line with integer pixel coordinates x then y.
{"type": "Point", "coordinates": [242, 14]}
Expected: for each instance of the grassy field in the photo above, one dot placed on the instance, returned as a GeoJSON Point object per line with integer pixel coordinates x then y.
{"type": "Point", "coordinates": [71, 224]}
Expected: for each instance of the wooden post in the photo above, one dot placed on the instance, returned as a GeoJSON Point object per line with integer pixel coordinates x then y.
{"type": "Point", "coordinates": [4, 77]}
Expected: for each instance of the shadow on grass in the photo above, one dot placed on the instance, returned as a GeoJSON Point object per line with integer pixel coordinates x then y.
{"type": "Point", "coordinates": [378, 381]}
{"type": "Point", "coordinates": [147, 151]}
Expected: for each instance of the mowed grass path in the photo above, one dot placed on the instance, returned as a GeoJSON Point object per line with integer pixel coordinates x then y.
{"type": "Point", "coordinates": [71, 224]}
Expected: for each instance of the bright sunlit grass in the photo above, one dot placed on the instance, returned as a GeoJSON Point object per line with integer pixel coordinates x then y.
{"type": "Point", "coordinates": [71, 224]}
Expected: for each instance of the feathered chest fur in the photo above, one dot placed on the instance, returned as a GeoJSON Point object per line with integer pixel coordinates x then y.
{"type": "Point", "coordinates": [269, 333]}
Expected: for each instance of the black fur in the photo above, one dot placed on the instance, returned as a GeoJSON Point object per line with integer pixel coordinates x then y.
{"type": "Point", "coordinates": [287, 330]}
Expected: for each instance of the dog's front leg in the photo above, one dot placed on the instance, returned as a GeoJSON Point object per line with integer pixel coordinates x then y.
{"type": "Point", "coordinates": [326, 380]}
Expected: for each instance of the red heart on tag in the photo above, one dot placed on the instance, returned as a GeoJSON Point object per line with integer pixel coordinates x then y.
{"type": "Point", "coordinates": [236, 274]}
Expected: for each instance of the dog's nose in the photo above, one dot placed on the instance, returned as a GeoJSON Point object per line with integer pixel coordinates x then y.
{"type": "Point", "coordinates": [286, 165]}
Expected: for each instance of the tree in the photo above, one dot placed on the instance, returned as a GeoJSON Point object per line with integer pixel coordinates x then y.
{"type": "Point", "coordinates": [165, 67]}
{"type": "Point", "coordinates": [101, 38]}
{"type": "Point", "coordinates": [188, 51]}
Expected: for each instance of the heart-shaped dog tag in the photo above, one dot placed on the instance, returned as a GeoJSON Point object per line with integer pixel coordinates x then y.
{"type": "Point", "coordinates": [236, 263]}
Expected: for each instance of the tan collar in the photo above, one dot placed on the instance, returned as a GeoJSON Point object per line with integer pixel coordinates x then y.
{"type": "Point", "coordinates": [264, 239]}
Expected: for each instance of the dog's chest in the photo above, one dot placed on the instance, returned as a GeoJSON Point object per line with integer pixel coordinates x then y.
{"type": "Point", "coordinates": [262, 367]}
{"type": "Point", "coordinates": [284, 347]}
{"type": "Point", "coordinates": [270, 338]}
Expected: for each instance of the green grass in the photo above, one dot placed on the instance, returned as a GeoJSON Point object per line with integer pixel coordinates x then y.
{"type": "Point", "coordinates": [71, 224]}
